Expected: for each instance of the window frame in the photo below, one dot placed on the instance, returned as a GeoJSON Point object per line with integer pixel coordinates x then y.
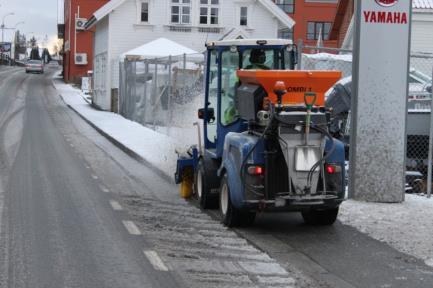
{"type": "Point", "coordinates": [241, 16]}
{"type": "Point", "coordinates": [140, 17]}
{"type": "Point", "coordinates": [139, 5]}
{"type": "Point", "coordinates": [209, 6]}
{"type": "Point", "coordinates": [286, 31]}
{"type": "Point", "coordinates": [181, 4]}
{"type": "Point", "coordinates": [286, 7]}
{"type": "Point", "coordinates": [314, 34]}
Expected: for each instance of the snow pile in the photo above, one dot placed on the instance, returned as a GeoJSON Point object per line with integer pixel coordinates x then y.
{"type": "Point", "coordinates": [327, 61]}
{"type": "Point", "coordinates": [408, 227]}
{"type": "Point", "coordinates": [155, 148]}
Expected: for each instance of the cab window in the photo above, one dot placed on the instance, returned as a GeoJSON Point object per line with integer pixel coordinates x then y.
{"type": "Point", "coordinates": [260, 59]}
{"type": "Point", "coordinates": [212, 100]}
{"type": "Point", "coordinates": [229, 84]}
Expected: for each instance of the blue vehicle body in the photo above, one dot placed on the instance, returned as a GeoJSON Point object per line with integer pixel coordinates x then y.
{"type": "Point", "coordinates": [230, 147]}
{"type": "Point", "coordinates": [238, 146]}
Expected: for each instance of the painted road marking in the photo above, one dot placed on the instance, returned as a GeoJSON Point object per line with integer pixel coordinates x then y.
{"type": "Point", "coordinates": [131, 227]}
{"type": "Point", "coordinates": [94, 177]}
{"type": "Point", "coordinates": [155, 260]}
{"type": "Point", "coordinates": [115, 205]}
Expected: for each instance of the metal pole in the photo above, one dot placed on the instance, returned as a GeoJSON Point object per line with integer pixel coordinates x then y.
{"type": "Point", "coordinates": [184, 62]}
{"type": "Point", "coordinates": [155, 93]}
{"type": "Point", "coordinates": [430, 152]}
{"type": "Point", "coordinates": [145, 105]}
{"type": "Point", "coordinates": [169, 91]}
{"type": "Point", "coordinates": [300, 49]}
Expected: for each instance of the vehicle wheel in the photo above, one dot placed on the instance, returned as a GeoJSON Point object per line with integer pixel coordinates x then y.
{"type": "Point", "coordinates": [320, 217]}
{"type": "Point", "coordinates": [202, 189]}
{"type": "Point", "coordinates": [230, 216]}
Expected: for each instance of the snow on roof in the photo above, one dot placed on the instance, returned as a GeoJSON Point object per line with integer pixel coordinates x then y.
{"type": "Point", "coordinates": [329, 57]}
{"type": "Point", "coordinates": [159, 48]}
{"type": "Point", "coordinates": [278, 13]}
{"type": "Point", "coordinates": [422, 4]}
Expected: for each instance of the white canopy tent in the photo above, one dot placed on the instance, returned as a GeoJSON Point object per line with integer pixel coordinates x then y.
{"type": "Point", "coordinates": [161, 48]}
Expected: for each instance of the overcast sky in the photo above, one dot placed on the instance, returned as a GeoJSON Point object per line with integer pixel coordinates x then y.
{"type": "Point", "coordinates": [40, 17]}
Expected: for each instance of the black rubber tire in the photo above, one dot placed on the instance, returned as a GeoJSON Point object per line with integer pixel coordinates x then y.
{"type": "Point", "coordinates": [320, 217]}
{"type": "Point", "coordinates": [203, 196]}
{"type": "Point", "coordinates": [232, 217]}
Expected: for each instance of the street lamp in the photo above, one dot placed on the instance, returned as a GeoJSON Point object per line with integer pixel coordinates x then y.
{"type": "Point", "coordinates": [19, 23]}
{"type": "Point", "coordinates": [3, 24]}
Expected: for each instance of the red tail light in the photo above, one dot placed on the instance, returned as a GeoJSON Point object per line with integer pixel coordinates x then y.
{"type": "Point", "coordinates": [256, 170]}
{"type": "Point", "coordinates": [332, 169]}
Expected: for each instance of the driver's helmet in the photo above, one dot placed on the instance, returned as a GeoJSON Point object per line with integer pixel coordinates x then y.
{"type": "Point", "coordinates": [258, 56]}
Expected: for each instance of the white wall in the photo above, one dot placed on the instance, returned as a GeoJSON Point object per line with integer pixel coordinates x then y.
{"type": "Point", "coordinates": [126, 33]}
{"type": "Point", "coordinates": [101, 95]}
{"type": "Point", "coordinates": [422, 31]}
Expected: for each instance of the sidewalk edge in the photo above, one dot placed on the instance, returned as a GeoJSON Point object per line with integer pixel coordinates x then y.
{"type": "Point", "coordinates": [120, 145]}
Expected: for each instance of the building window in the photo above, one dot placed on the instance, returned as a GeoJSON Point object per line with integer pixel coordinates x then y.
{"type": "Point", "coordinates": [244, 16]}
{"type": "Point", "coordinates": [144, 14]}
{"type": "Point", "coordinates": [315, 28]}
{"type": "Point", "coordinates": [181, 11]}
{"type": "Point", "coordinates": [287, 6]}
{"type": "Point", "coordinates": [285, 34]}
{"type": "Point", "coordinates": [209, 10]}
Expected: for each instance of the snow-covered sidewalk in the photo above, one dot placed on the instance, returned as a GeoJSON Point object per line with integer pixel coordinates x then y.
{"type": "Point", "coordinates": [156, 149]}
{"type": "Point", "coordinates": [408, 227]}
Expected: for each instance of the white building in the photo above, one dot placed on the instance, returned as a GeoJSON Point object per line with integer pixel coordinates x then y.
{"type": "Point", "coordinates": [122, 25]}
{"type": "Point", "coordinates": [422, 26]}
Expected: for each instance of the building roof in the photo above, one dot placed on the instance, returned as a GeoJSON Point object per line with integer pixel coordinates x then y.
{"type": "Point", "coordinates": [103, 11]}
{"type": "Point", "coordinates": [269, 5]}
{"type": "Point", "coordinates": [422, 4]}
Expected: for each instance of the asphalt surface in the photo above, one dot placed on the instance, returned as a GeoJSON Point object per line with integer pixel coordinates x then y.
{"type": "Point", "coordinates": [79, 212]}
{"type": "Point", "coordinates": [58, 229]}
{"type": "Point", "coordinates": [75, 211]}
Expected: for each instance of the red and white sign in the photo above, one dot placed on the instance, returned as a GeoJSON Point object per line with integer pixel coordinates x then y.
{"type": "Point", "coordinates": [382, 13]}
{"type": "Point", "coordinates": [385, 17]}
{"type": "Point", "coordinates": [386, 3]}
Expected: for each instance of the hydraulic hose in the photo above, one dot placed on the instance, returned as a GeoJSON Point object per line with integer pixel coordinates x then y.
{"type": "Point", "coordinates": [315, 127]}
{"type": "Point", "coordinates": [323, 159]}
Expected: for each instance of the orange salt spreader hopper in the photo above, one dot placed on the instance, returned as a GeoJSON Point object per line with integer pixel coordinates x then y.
{"type": "Point", "coordinates": [297, 83]}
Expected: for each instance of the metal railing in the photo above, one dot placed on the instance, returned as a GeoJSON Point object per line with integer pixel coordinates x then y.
{"type": "Point", "coordinates": [163, 94]}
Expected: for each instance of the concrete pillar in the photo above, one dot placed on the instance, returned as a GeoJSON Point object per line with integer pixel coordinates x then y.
{"type": "Point", "coordinates": [379, 106]}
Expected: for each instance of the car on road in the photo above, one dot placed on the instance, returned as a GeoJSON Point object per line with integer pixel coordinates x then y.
{"type": "Point", "coordinates": [35, 66]}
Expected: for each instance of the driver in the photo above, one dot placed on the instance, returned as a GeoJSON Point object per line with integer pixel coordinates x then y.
{"type": "Point", "coordinates": [257, 60]}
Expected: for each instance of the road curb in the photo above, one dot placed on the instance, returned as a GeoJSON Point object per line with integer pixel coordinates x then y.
{"type": "Point", "coordinates": [120, 145]}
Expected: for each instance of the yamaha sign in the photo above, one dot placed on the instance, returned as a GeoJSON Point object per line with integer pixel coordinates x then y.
{"type": "Point", "coordinates": [385, 15]}
{"type": "Point", "coordinates": [380, 87]}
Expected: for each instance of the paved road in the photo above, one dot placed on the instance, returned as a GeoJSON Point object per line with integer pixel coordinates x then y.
{"type": "Point", "coordinates": [78, 212]}
{"type": "Point", "coordinates": [58, 228]}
